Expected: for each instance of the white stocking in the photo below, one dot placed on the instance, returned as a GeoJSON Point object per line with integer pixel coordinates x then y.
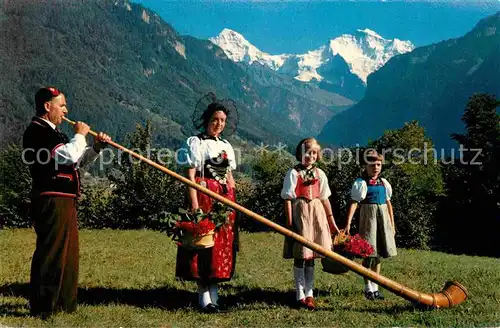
{"type": "Point", "coordinates": [298, 274]}
{"type": "Point", "coordinates": [214, 293]}
{"type": "Point", "coordinates": [203, 295]}
{"type": "Point", "coordinates": [309, 275]}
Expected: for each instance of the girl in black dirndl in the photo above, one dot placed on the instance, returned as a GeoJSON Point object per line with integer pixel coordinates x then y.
{"type": "Point", "coordinates": [209, 160]}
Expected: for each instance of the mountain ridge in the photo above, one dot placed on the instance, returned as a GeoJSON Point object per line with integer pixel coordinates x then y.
{"type": "Point", "coordinates": [121, 64]}
{"type": "Point", "coordinates": [341, 65]}
{"type": "Point", "coordinates": [431, 84]}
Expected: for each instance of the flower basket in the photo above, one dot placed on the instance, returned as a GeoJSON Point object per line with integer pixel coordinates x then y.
{"type": "Point", "coordinates": [195, 229]}
{"type": "Point", "coordinates": [350, 247]}
{"type": "Point", "coordinates": [198, 241]}
{"type": "Point", "coordinates": [334, 267]}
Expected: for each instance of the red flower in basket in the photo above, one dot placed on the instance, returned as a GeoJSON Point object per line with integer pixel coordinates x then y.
{"type": "Point", "coordinates": [196, 229]}
{"type": "Point", "coordinates": [348, 246]}
{"type": "Point", "coordinates": [204, 227]}
{"type": "Point", "coordinates": [356, 246]}
{"type": "Point", "coordinates": [187, 225]}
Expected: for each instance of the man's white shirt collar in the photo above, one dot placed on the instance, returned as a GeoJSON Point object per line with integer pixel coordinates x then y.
{"type": "Point", "coordinates": [52, 125]}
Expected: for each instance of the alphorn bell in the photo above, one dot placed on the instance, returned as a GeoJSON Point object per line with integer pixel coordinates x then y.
{"type": "Point", "coordinates": [452, 294]}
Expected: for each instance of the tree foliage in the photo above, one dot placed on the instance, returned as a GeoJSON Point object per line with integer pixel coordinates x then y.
{"type": "Point", "coordinates": [473, 182]}
{"type": "Point", "coordinates": [412, 167]}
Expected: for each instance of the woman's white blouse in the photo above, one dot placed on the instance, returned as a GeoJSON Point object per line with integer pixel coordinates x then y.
{"type": "Point", "coordinates": [290, 182]}
{"type": "Point", "coordinates": [198, 151]}
{"type": "Point", "coordinates": [359, 189]}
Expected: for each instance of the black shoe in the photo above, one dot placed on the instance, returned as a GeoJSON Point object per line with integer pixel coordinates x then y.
{"type": "Point", "coordinates": [210, 308]}
{"type": "Point", "coordinates": [42, 315]}
{"type": "Point", "coordinates": [378, 295]}
{"type": "Point", "coordinates": [370, 296]}
{"type": "Point", "coordinates": [222, 307]}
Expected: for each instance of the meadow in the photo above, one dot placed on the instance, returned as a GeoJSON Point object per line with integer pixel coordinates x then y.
{"type": "Point", "coordinates": [127, 280]}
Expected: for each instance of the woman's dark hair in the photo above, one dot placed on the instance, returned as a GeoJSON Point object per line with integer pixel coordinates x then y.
{"type": "Point", "coordinates": [208, 105]}
{"type": "Point", "coordinates": [209, 112]}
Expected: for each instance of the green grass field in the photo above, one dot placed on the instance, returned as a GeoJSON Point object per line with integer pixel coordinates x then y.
{"type": "Point", "coordinates": [127, 280]}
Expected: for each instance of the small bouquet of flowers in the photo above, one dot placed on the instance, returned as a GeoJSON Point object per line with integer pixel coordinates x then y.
{"type": "Point", "coordinates": [196, 229]}
{"type": "Point", "coordinates": [355, 246]}
{"type": "Point", "coordinates": [348, 246]}
{"type": "Point", "coordinates": [309, 177]}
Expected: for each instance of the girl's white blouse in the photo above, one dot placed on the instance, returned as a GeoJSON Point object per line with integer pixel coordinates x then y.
{"type": "Point", "coordinates": [359, 189]}
{"type": "Point", "coordinates": [290, 182]}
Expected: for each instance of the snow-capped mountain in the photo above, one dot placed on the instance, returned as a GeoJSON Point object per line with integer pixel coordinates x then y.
{"type": "Point", "coordinates": [239, 49]}
{"type": "Point", "coordinates": [364, 52]}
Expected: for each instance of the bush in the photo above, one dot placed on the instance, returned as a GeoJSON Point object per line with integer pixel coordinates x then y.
{"type": "Point", "coordinates": [263, 196]}
{"type": "Point", "coordinates": [142, 191]}
{"type": "Point", "coordinates": [15, 187]}
{"type": "Point", "coordinates": [94, 207]}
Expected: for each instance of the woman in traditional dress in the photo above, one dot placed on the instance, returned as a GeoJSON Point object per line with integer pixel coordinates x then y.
{"type": "Point", "coordinates": [209, 161]}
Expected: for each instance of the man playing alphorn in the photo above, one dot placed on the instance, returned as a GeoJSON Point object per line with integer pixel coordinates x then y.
{"type": "Point", "coordinates": [54, 163]}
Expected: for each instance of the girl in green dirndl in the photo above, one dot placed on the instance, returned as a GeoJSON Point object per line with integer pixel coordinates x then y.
{"type": "Point", "coordinates": [376, 223]}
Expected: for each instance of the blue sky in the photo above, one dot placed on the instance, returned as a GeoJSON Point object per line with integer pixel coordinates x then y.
{"type": "Point", "coordinates": [298, 26]}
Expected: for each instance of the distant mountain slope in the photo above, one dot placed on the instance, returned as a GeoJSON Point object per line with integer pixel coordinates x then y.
{"type": "Point", "coordinates": [121, 64]}
{"type": "Point", "coordinates": [431, 84]}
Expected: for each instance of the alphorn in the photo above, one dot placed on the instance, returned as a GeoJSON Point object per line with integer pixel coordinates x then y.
{"type": "Point", "coordinates": [452, 294]}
